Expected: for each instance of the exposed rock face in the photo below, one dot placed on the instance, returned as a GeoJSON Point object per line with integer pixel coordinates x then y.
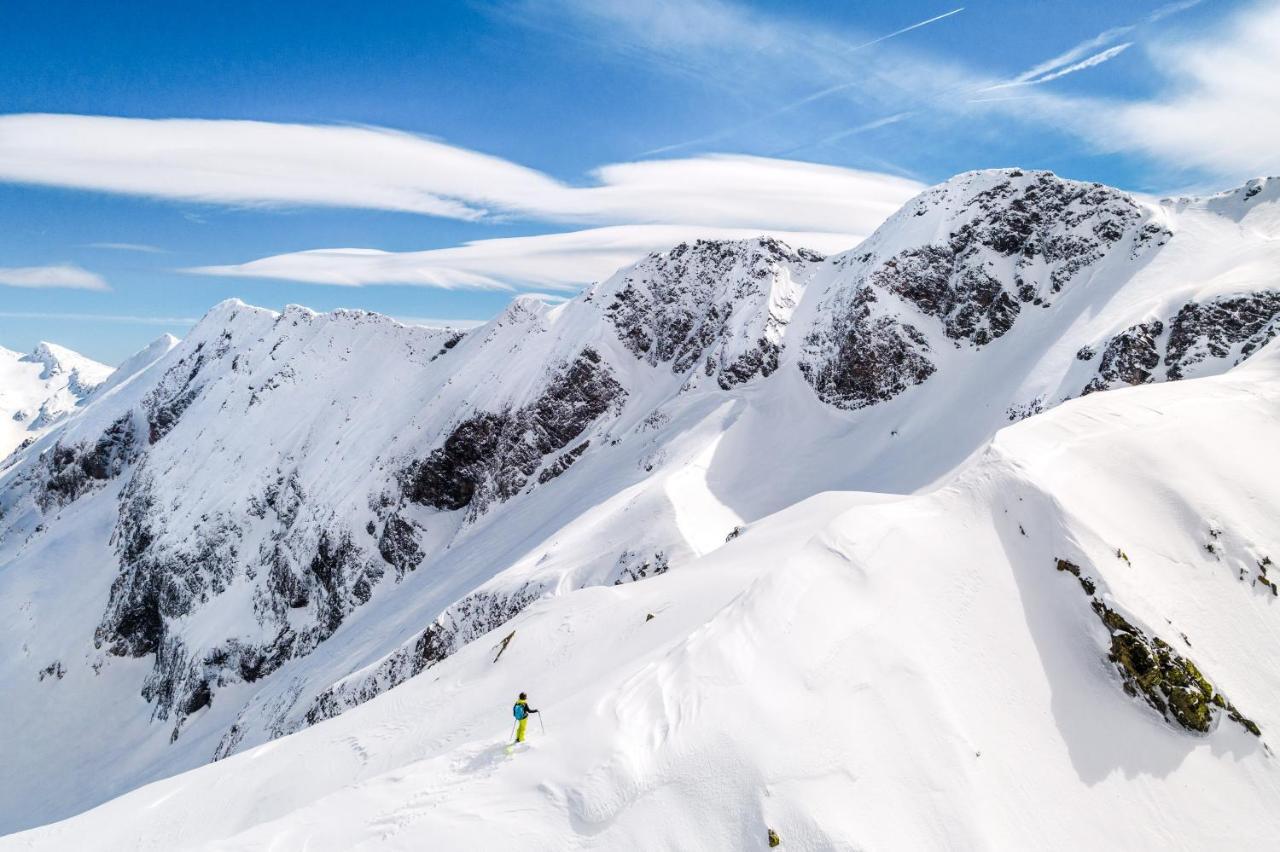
{"type": "Point", "coordinates": [490, 457]}
{"type": "Point", "coordinates": [1213, 329]}
{"type": "Point", "coordinates": [175, 393]}
{"type": "Point", "coordinates": [1228, 328]}
{"type": "Point", "coordinates": [1043, 219]}
{"type": "Point", "coordinates": [970, 302]}
{"type": "Point", "coordinates": [71, 471]}
{"type": "Point", "coordinates": [1130, 357]}
{"type": "Point", "coordinates": [1150, 668]}
{"type": "Point", "coordinates": [861, 358]}
{"type": "Point", "coordinates": [717, 303]}
{"type": "Point", "coordinates": [1012, 239]}
{"type": "Point", "coordinates": [398, 544]}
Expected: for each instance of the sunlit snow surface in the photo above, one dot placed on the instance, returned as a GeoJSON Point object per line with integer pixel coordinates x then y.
{"type": "Point", "coordinates": [885, 657]}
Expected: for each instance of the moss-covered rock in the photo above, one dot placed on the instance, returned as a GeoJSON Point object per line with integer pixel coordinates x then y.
{"type": "Point", "coordinates": [1150, 668]}
{"type": "Point", "coordinates": [1172, 684]}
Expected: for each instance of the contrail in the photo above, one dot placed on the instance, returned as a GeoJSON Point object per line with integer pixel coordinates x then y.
{"type": "Point", "coordinates": [915, 26]}
{"type": "Point", "coordinates": [807, 99]}
{"type": "Point", "coordinates": [1097, 59]}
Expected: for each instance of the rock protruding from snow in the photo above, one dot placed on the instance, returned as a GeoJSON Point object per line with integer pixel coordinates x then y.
{"type": "Point", "coordinates": [491, 456]}
{"type": "Point", "coordinates": [720, 305]}
{"type": "Point", "coordinates": [963, 258]}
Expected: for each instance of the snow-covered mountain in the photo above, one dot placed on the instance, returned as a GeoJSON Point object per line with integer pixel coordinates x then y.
{"type": "Point", "coordinates": [38, 389]}
{"type": "Point", "coordinates": [288, 515]}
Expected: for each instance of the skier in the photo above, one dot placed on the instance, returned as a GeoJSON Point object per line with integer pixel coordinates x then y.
{"type": "Point", "coordinates": [521, 711]}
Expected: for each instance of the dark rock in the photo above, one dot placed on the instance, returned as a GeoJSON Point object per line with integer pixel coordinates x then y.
{"type": "Point", "coordinates": [1130, 358]}
{"type": "Point", "coordinates": [631, 566]}
{"type": "Point", "coordinates": [72, 471]}
{"type": "Point", "coordinates": [676, 308]}
{"type": "Point", "coordinates": [1169, 682]}
{"type": "Point", "coordinates": [398, 544]}
{"type": "Point", "coordinates": [490, 457]}
{"type": "Point", "coordinates": [1211, 329]}
{"type": "Point", "coordinates": [861, 359]}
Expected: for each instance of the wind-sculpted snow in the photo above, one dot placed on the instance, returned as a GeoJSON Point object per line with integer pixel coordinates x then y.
{"type": "Point", "coordinates": [288, 514]}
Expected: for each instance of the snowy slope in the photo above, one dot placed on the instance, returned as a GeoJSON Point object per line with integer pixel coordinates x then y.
{"type": "Point", "coordinates": [289, 514]}
{"type": "Point", "coordinates": [38, 389]}
{"type": "Point", "coordinates": [857, 671]}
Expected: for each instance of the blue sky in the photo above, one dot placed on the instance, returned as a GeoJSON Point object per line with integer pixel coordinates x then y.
{"type": "Point", "coordinates": [596, 130]}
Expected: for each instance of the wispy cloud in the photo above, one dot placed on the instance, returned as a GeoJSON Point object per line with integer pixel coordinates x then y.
{"type": "Point", "coordinates": [558, 262]}
{"type": "Point", "coordinates": [1221, 113]}
{"type": "Point", "coordinates": [138, 247]}
{"type": "Point", "coordinates": [252, 162]}
{"type": "Point", "coordinates": [120, 318]}
{"type": "Point", "coordinates": [865, 127]}
{"type": "Point", "coordinates": [62, 275]}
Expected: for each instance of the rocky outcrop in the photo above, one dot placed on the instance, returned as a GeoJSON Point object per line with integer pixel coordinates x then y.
{"type": "Point", "coordinates": [490, 456]}
{"type": "Point", "coordinates": [862, 357]}
{"type": "Point", "coordinates": [1169, 682]}
{"type": "Point", "coordinates": [1214, 329]}
{"type": "Point", "coordinates": [632, 566]}
{"type": "Point", "coordinates": [66, 472]}
{"type": "Point", "coordinates": [174, 394]}
{"type": "Point", "coordinates": [1012, 238]}
{"type": "Point", "coordinates": [1151, 669]}
{"type": "Point", "coordinates": [1130, 358]}
{"type": "Point", "coordinates": [398, 544]}
{"type": "Point", "coordinates": [970, 302]}
{"type": "Point", "coordinates": [1228, 328]}
{"type": "Point", "coordinates": [720, 304]}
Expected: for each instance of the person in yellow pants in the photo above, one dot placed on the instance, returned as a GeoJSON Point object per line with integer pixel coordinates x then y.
{"type": "Point", "coordinates": [521, 711]}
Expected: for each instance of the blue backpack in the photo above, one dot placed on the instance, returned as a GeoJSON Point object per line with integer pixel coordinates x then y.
{"type": "Point", "coordinates": [520, 711]}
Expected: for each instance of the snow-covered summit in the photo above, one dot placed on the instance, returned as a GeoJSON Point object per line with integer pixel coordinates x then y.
{"type": "Point", "coordinates": [41, 387]}
{"type": "Point", "coordinates": [288, 514]}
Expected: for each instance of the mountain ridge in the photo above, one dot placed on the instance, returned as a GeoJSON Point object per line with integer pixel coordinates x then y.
{"type": "Point", "coordinates": [298, 511]}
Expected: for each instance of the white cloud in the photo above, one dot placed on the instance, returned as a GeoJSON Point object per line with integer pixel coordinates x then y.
{"type": "Point", "coordinates": [261, 163]}
{"type": "Point", "coordinates": [1221, 113]}
{"type": "Point", "coordinates": [63, 275]}
{"type": "Point", "coordinates": [553, 261]}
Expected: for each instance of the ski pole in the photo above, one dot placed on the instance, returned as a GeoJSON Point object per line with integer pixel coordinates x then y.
{"type": "Point", "coordinates": [541, 726]}
{"type": "Point", "coordinates": [513, 731]}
